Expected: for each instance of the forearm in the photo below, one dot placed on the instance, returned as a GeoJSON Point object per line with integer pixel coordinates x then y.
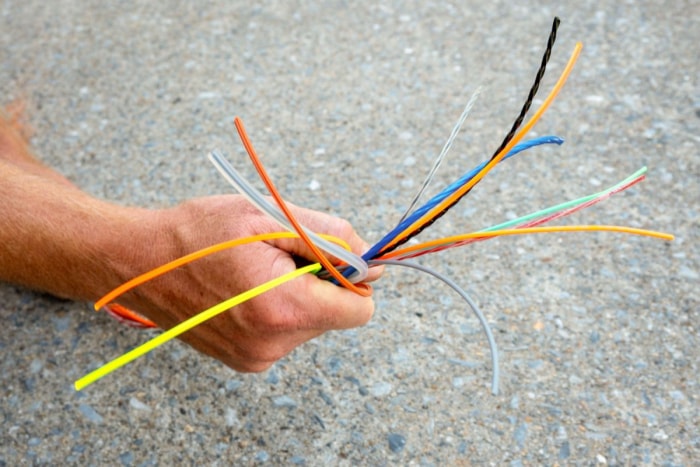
{"type": "Point", "coordinates": [57, 239]}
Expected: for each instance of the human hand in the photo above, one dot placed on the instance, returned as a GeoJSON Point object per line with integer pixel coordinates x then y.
{"type": "Point", "coordinates": [46, 246]}
{"type": "Point", "coordinates": [255, 334]}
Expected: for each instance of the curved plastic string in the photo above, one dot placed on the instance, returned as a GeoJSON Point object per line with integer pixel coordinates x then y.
{"type": "Point", "coordinates": [544, 216]}
{"type": "Point", "coordinates": [480, 316]}
{"type": "Point", "coordinates": [261, 202]}
{"type": "Point", "coordinates": [237, 300]}
{"type": "Point", "coordinates": [128, 317]}
{"type": "Point", "coordinates": [160, 270]}
{"type": "Point", "coordinates": [526, 106]}
{"type": "Point", "coordinates": [529, 230]}
{"type": "Point", "coordinates": [443, 153]}
{"type": "Point", "coordinates": [568, 204]}
{"type": "Point", "coordinates": [495, 160]}
{"type": "Point", "coordinates": [454, 186]}
{"type": "Point", "coordinates": [534, 88]}
{"type": "Point", "coordinates": [358, 289]}
{"type": "Point", "coordinates": [190, 323]}
{"type": "Point", "coordinates": [374, 251]}
{"type": "Point", "coordinates": [225, 305]}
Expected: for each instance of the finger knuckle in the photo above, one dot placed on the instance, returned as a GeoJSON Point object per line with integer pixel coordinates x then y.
{"type": "Point", "coordinates": [255, 366]}
{"type": "Point", "coordinates": [276, 322]}
{"type": "Point", "coordinates": [344, 228]}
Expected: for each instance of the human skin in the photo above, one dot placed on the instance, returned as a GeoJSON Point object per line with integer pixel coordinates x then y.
{"type": "Point", "coordinates": [58, 239]}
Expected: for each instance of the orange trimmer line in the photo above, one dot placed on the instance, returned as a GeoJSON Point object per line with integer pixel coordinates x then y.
{"type": "Point", "coordinates": [360, 290]}
{"type": "Point", "coordinates": [121, 312]}
{"type": "Point", "coordinates": [523, 131]}
{"type": "Point", "coordinates": [159, 271]}
{"type": "Point", "coordinates": [528, 230]}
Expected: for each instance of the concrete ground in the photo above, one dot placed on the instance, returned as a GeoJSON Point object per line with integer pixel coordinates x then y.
{"type": "Point", "coordinates": [349, 103]}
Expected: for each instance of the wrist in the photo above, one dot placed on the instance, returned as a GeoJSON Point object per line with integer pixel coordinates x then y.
{"type": "Point", "coordinates": [131, 242]}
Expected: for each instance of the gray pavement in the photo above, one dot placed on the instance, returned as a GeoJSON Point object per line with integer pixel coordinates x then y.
{"type": "Point", "coordinates": [349, 104]}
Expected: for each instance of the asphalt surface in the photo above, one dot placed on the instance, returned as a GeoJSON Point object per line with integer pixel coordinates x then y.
{"type": "Point", "coordinates": [350, 103]}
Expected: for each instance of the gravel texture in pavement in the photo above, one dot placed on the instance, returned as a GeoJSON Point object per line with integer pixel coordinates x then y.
{"type": "Point", "coordinates": [349, 102]}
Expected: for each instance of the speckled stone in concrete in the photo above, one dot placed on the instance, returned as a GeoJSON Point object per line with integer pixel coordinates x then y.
{"type": "Point", "coordinates": [349, 103]}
